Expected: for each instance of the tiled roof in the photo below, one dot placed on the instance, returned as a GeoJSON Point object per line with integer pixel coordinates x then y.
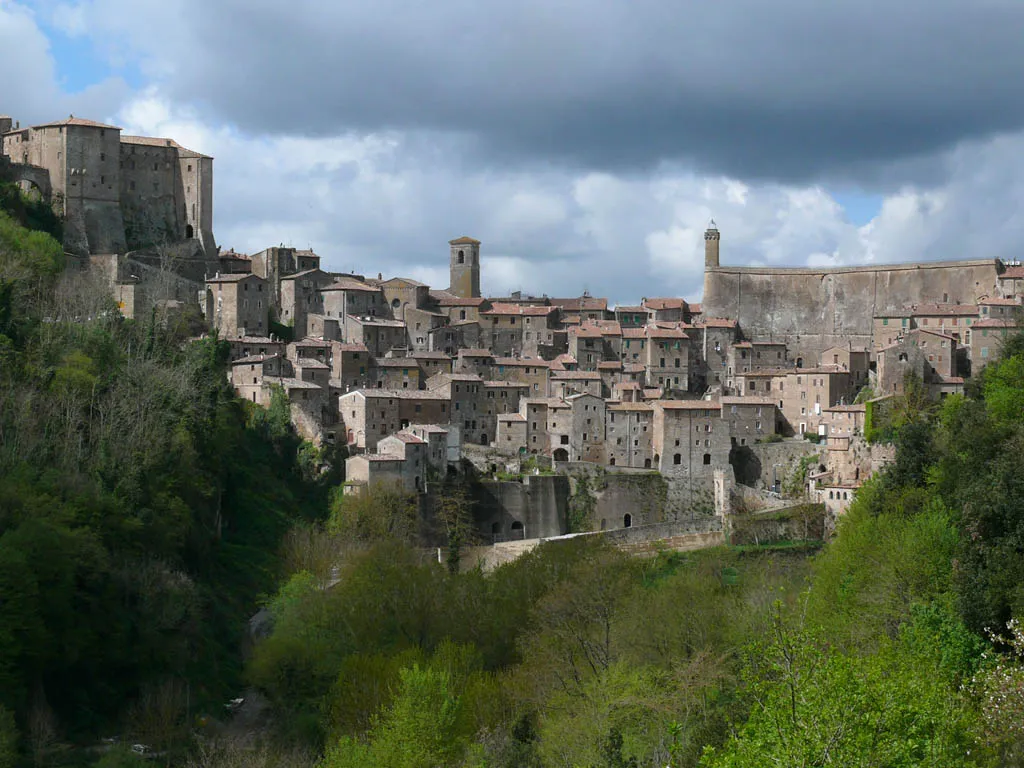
{"type": "Point", "coordinates": [459, 301]}
{"type": "Point", "coordinates": [999, 302]}
{"type": "Point", "coordinates": [406, 280]}
{"type": "Point", "coordinates": [394, 362]}
{"type": "Point", "coordinates": [630, 407]}
{"type": "Point", "coordinates": [664, 303]}
{"type": "Point", "coordinates": [379, 321]}
{"type": "Point", "coordinates": [340, 347]}
{"type": "Point", "coordinates": [610, 365]}
{"type": "Point", "coordinates": [309, 362]}
{"type": "Point", "coordinates": [732, 400]}
{"type": "Point", "coordinates": [409, 438]}
{"type": "Point", "coordinates": [77, 121]}
{"type": "Point", "coordinates": [522, 362]}
{"type": "Point", "coordinates": [347, 284]}
{"type": "Point", "coordinates": [475, 353]}
{"type": "Point", "coordinates": [580, 304]}
{"type": "Point", "coordinates": [430, 429]}
{"type": "Point", "coordinates": [501, 308]}
{"type": "Point", "coordinates": [1012, 273]}
{"type": "Point", "coordinates": [655, 332]}
{"type": "Point", "coordinates": [634, 333]}
{"type": "Point", "coordinates": [857, 408]}
{"type": "Point", "coordinates": [511, 417]}
{"type": "Point", "coordinates": [436, 355]}
{"type": "Point", "coordinates": [252, 359]}
{"type": "Point", "coordinates": [632, 309]}
{"type": "Point", "coordinates": [696, 309]}
{"type": "Point", "coordinates": [152, 141]}
{"type": "Point", "coordinates": [305, 273]}
{"type": "Point", "coordinates": [290, 383]}
{"type": "Point", "coordinates": [464, 240]}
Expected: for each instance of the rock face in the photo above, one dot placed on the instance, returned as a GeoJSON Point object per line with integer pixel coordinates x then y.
{"type": "Point", "coordinates": [813, 309]}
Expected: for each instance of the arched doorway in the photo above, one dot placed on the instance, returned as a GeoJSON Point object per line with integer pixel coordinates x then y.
{"type": "Point", "coordinates": [799, 362]}
{"type": "Point", "coordinates": [647, 463]}
{"type": "Point", "coordinates": [627, 520]}
{"type": "Point", "coordinates": [561, 454]}
{"type": "Point", "coordinates": [189, 232]}
{"type": "Point", "coordinates": [518, 531]}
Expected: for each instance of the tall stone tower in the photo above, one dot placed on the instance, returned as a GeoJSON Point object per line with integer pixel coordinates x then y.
{"type": "Point", "coordinates": [465, 267]}
{"type": "Point", "coordinates": [711, 238]}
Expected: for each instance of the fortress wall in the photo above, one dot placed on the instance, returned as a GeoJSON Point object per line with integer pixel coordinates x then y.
{"type": "Point", "coordinates": [812, 309]}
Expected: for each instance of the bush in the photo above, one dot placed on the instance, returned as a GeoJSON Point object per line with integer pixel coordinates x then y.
{"type": "Point", "coordinates": [813, 437]}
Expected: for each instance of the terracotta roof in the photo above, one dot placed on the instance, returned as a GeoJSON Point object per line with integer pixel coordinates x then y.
{"type": "Point", "coordinates": [380, 457]}
{"type": "Point", "coordinates": [407, 280]}
{"type": "Point", "coordinates": [654, 332]}
{"type": "Point", "coordinates": [998, 302]}
{"type": "Point", "coordinates": [475, 353]}
{"type": "Point", "coordinates": [76, 121]}
{"type": "Point", "coordinates": [305, 273]}
{"type": "Point", "coordinates": [634, 333]}
{"type": "Point", "coordinates": [696, 309]}
{"type": "Point", "coordinates": [1012, 273]}
{"type": "Point", "coordinates": [256, 340]}
{"type": "Point", "coordinates": [511, 417]}
{"type": "Point", "coordinates": [580, 304]}
{"type": "Point", "coordinates": [743, 345]}
{"type": "Point", "coordinates": [309, 362]}
{"type": "Point", "coordinates": [464, 240]}
{"type": "Point", "coordinates": [409, 438]}
{"type": "Point", "coordinates": [437, 355]}
{"type": "Point", "coordinates": [565, 357]}
{"type": "Point", "coordinates": [633, 367]}
{"type": "Point", "coordinates": [290, 383]}
{"type": "Point", "coordinates": [521, 361]}
{"type": "Point", "coordinates": [628, 385]}
{"type": "Point", "coordinates": [394, 362]}
{"type": "Point", "coordinates": [633, 309]}
{"type": "Point", "coordinates": [945, 310]}
{"type": "Point", "coordinates": [432, 429]}
{"type": "Point", "coordinates": [857, 408]}
{"type": "Point", "coordinates": [929, 331]}
{"type": "Point", "coordinates": [610, 365]}
{"type": "Point", "coordinates": [152, 141]}
{"type": "Point", "coordinates": [501, 308]}
{"type": "Point", "coordinates": [347, 284]}
{"type": "Point", "coordinates": [586, 331]}
{"type": "Point", "coordinates": [340, 347]}
{"type": "Point", "coordinates": [311, 342]}
{"type": "Point", "coordinates": [459, 301]}
{"type": "Point", "coordinates": [664, 303]}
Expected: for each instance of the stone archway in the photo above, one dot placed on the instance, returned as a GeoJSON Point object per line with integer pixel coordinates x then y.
{"type": "Point", "coordinates": [560, 454]}
{"type": "Point", "coordinates": [32, 177]}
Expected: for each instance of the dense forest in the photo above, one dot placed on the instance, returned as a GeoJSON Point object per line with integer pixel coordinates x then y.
{"type": "Point", "coordinates": [146, 514]}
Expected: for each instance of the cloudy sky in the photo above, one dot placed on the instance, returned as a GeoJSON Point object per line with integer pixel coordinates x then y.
{"type": "Point", "coordinates": [585, 142]}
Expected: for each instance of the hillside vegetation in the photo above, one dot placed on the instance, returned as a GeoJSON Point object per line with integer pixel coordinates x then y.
{"type": "Point", "coordinates": [146, 513]}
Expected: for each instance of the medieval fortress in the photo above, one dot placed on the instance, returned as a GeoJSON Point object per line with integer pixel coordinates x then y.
{"type": "Point", "coordinates": [413, 380]}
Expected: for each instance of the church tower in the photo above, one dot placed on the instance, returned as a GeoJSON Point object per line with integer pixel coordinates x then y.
{"type": "Point", "coordinates": [465, 267]}
{"type": "Point", "coordinates": [711, 239]}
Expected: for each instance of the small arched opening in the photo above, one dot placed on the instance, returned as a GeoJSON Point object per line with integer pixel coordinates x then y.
{"type": "Point", "coordinates": [657, 458]}
{"type": "Point", "coordinates": [831, 495]}
{"type": "Point", "coordinates": [189, 232]}
{"type": "Point", "coordinates": [611, 461]}
{"type": "Point", "coordinates": [627, 520]}
{"type": "Point", "coordinates": [561, 454]}
{"type": "Point", "coordinates": [799, 362]}
{"type": "Point", "coordinates": [518, 531]}
{"type": "Point", "coordinates": [647, 463]}
{"type": "Point", "coordinates": [677, 459]}
{"type": "Point", "coordinates": [462, 314]}
{"type": "Point", "coordinates": [707, 459]}
{"type": "Point", "coordinates": [461, 258]}
{"type": "Point", "coordinates": [821, 467]}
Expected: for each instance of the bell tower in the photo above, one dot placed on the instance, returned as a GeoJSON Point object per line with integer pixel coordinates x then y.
{"type": "Point", "coordinates": [711, 239]}
{"type": "Point", "coordinates": [465, 267]}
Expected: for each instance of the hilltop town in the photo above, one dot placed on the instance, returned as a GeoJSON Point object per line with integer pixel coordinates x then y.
{"type": "Point", "coordinates": [414, 379]}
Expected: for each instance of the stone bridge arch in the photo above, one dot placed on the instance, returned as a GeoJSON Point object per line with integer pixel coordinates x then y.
{"type": "Point", "coordinates": [31, 177]}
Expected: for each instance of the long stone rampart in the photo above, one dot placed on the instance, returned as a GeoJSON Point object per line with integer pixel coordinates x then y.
{"type": "Point", "coordinates": [812, 309]}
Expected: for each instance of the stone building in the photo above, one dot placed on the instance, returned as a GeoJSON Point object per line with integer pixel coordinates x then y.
{"type": "Point", "coordinates": [749, 419]}
{"type": "Point", "coordinates": [987, 337]}
{"type": "Point", "coordinates": [301, 296]}
{"type": "Point", "coordinates": [115, 193]}
{"type": "Point", "coordinates": [465, 267]}
{"type": "Point", "coordinates": [395, 373]}
{"type": "Point", "coordinates": [587, 435]}
{"type": "Point", "coordinates": [237, 305]}
{"type": "Point", "coordinates": [629, 434]}
{"type": "Point", "coordinates": [436, 438]}
{"type": "Point", "coordinates": [690, 439]}
{"type": "Point", "coordinates": [368, 415]}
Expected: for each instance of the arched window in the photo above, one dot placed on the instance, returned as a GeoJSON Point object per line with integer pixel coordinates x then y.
{"type": "Point", "coordinates": [830, 495]}
{"type": "Point", "coordinates": [677, 459]}
{"type": "Point", "coordinates": [627, 521]}
{"type": "Point", "coordinates": [707, 458]}
{"type": "Point", "coordinates": [518, 532]}
{"type": "Point", "coordinates": [189, 232]}
{"type": "Point", "coordinates": [799, 362]}
{"type": "Point", "coordinates": [462, 314]}
{"type": "Point", "coordinates": [462, 258]}
{"type": "Point", "coordinates": [647, 463]}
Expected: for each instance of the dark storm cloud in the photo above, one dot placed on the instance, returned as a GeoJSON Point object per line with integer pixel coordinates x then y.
{"type": "Point", "coordinates": [787, 90]}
